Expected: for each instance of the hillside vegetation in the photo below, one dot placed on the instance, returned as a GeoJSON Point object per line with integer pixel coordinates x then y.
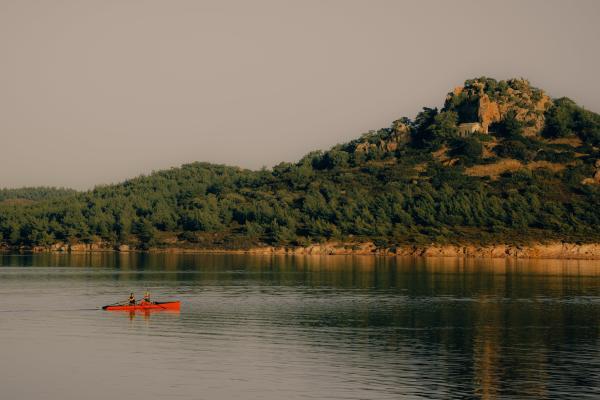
{"type": "Point", "coordinates": [34, 194]}
{"type": "Point", "coordinates": [529, 172]}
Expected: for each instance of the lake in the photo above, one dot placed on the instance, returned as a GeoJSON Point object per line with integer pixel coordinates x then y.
{"type": "Point", "coordinates": [283, 327]}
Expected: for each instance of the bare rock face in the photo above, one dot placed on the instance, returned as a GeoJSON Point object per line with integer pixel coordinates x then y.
{"type": "Point", "coordinates": [487, 101]}
{"type": "Point", "coordinates": [364, 147]}
{"type": "Point", "coordinates": [554, 250]}
{"type": "Point", "coordinates": [396, 136]}
{"type": "Point", "coordinates": [488, 112]}
{"type": "Point", "coordinates": [79, 247]}
{"type": "Point", "coordinates": [99, 246]}
{"type": "Point", "coordinates": [401, 129]}
{"type": "Point", "coordinates": [59, 247]}
{"type": "Point", "coordinates": [595, 179]}
{"type": "Point", "coordinates": [400, 136]}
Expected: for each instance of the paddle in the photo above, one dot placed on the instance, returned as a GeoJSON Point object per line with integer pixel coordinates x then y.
{"type": "Point", "coordinates": [154, 303]}
{"type": "Point", "coordinates": [157, 304]}
{"type": "Point", "coordinates": [120, 303]}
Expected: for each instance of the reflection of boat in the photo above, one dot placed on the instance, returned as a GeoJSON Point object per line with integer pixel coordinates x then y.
{"type": "Point", "coordinates": [145, 306]}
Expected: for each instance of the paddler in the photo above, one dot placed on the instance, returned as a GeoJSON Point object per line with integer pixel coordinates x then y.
{"type": "Point", "coordinates": [131, 299]}
{"type": "Point", "coordinates": [147, 297]}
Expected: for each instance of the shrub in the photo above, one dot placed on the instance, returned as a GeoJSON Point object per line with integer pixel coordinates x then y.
{"type": "Point", "coordinates": [469, 149]}
{"type": "Point", "coordinates": [510, 127]}
{"type": "Point", "coordinates": [514, 149]}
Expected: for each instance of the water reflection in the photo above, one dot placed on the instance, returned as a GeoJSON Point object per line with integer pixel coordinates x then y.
{"type": "Point", "coordinates": [145, 314]}
{"type": "Point", "coordinates": [363, 327]}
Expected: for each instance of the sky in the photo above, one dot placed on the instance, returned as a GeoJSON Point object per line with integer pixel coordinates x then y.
{"type": "Point", "coordinates": [95, 92]}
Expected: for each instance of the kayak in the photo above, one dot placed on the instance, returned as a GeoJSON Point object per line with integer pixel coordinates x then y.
{"type": "Point", "coordinates": [143, 306]}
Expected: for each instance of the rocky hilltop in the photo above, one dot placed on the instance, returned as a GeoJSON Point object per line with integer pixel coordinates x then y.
{"type": "Point", "coordinates": [489, 102]}
{"type": "Point", "coordinates": [501, 169]}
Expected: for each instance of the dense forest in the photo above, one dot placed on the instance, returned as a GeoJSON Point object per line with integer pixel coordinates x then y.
{"type": "Point", "coordinates": [30, 194]}
{"type": "Point", "coordinates": [530, 171]}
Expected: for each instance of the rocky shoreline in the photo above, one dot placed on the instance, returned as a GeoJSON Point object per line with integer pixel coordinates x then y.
{"type": "Point", "coordinates": [554, 250]}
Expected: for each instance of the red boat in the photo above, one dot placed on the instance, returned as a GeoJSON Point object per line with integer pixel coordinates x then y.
{"type": "Point", "coordinates": [144, 305]}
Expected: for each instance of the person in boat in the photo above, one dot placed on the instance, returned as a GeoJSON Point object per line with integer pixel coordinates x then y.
{"type": "Point", "coordinates": [147, 297]}
{"type": "Point", "coordinates": [131, 299]}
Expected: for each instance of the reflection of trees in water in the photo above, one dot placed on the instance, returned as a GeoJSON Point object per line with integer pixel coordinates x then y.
{"type": "Point", "coordinates": [486, 350]}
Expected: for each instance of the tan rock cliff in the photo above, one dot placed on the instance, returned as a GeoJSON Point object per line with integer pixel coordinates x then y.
{"type": "Point", "coordinates": [494, 100]}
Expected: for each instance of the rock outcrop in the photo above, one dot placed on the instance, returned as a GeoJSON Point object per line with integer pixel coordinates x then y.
{"type": "Point", "coordinates": [487, 101]}
{"type": "Point", "coordinates": [554, 250]}
{"type": "Point", "coordinates": [397, 135]}
{"type": "Point", "coordinates": [536, 251]}
{"type": "Point", "coordinates": [545, 251]}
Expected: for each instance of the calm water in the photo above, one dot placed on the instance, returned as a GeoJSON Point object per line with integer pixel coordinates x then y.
{"type": "Point", "coordinates": [254, 327]}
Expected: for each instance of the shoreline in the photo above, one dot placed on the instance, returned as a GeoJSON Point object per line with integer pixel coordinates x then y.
{"type": "Point", "coordinates": [552, 250]}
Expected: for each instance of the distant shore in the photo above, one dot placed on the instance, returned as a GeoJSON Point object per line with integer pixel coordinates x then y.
{"type": "Point", "coordinates": [552, 250]}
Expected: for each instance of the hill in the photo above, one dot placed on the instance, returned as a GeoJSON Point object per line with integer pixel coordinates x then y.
{"type": "Point", "coordinates": [501, 162]}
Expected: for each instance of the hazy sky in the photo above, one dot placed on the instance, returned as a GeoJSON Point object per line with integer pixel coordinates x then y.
{"type": "Point", "coordinates": [97, 91]}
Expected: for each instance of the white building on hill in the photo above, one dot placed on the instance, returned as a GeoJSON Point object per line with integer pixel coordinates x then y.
{"type": "Point", "coordinates": [469, 128]}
